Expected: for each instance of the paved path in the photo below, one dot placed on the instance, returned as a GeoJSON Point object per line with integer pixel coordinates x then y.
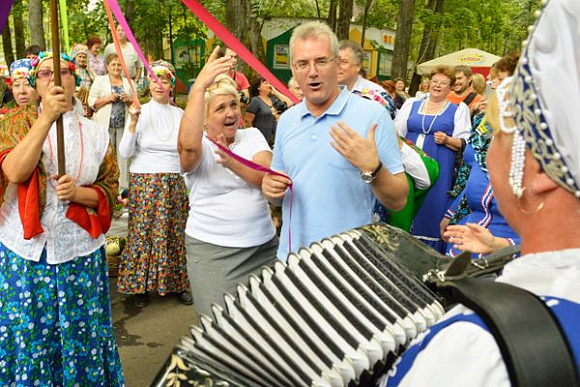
{"type": "Point", "coordinates": [146, 336]}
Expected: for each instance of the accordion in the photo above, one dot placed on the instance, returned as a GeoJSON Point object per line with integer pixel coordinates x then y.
{"type": "Point", "coordinates": [337, 313]}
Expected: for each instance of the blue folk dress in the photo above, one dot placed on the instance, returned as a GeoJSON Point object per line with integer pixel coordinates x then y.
{"type": "Point", "coordinates": [482, 204]}
{"type": "Point", "coordinates": [420, 130]}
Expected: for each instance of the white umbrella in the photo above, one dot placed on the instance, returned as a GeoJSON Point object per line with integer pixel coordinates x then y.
{"type": "Point", "coordinates": [471, 57]}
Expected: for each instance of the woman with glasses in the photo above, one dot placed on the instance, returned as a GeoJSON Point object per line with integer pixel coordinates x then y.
{"type": "Point", "coordinates": [55, 316]}
{"type": "Point", "coordinates": [110, 98]}
{"type": "Point", "coordinates": [436, 126]}
{"type": "Point", "coordinates": [229, 232]}
{"type": "Point", "coordinates": [154, 258]}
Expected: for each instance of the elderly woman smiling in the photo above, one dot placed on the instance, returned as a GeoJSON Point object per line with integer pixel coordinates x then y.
{"type": "Point", "coordinates": [55, 316]}
{"type": "Point", "coordinates": [154, 259]}
{"type": "Point", "coordinates": [229, 232]}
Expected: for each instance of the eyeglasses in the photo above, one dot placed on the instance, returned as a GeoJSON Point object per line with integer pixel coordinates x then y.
{"type": "Point", "coordinates": [47, 74]}
{"type": "Point", "coordinates": [319, 63]}
{"type": "Point", "coordinates": [440, 83]}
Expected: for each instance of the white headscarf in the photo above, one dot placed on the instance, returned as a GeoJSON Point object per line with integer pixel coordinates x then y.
{"type": "Point", "coordinates": [545, 92]}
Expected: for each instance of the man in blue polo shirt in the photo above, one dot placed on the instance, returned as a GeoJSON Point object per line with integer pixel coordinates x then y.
{"type": "Point", "coordinates": [341, 151]}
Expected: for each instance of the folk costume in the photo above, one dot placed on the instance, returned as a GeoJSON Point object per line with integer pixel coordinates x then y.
{"type": "Point", "coordinates": [545, 125]}
{"type": "Point", "coordinates": [419, 128]}
{"type": "Point", "coordinates": [154, 258]}
{"type": "Point", "coordinates": [55, 319]}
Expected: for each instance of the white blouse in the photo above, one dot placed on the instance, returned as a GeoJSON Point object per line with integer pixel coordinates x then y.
{"type": "Point", "coordinates": [461, 120]}
{"type": "Point", "coordinates": [86, 144]}
{"type": "Point", "coordinates": [224, 209]}
{"type": "Point", "coordinates": [153, 146]}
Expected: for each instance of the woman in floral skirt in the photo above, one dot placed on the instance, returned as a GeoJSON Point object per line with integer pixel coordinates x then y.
{"type": "Point", "coordinates": [154, 258]}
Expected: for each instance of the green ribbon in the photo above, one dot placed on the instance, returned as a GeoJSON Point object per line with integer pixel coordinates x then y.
{"type": "Point", "coordinates": [64, 21]}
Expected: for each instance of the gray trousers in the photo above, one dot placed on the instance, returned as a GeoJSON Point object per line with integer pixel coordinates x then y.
{"type": "Point", "coordinates": [215, 270]}
{"type": "Point", "coordinates": [116, 134]}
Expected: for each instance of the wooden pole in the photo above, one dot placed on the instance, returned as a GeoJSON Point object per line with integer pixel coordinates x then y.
{"type": "Point", "coordinates": [57, 82]}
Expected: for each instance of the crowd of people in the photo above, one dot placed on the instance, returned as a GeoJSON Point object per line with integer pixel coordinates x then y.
{"type": "Point", "coordinates": [351, 152]}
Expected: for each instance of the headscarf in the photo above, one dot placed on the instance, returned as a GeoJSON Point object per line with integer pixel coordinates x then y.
{"type": "Point", "coordinates": [544, 96]}
{"type": "Point", "coordinates": [79, 49]}
{"type": "Point", "coordinates": [19, 69]}
{"type": "Point", "coordinates": [162, 68]}
{"type": "Point", "coordinates": [45, 55]}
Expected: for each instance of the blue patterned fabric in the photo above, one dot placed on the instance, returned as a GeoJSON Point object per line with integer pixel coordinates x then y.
{"type": "Point", "coordinates": [483, 209]}
{"type": "Point", "coordinates": [55, 323]}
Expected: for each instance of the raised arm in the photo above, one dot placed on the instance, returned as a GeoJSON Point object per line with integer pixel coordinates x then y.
{"type": "Point", "coordinates": [189, 141]}
{"type": "Point", "coordinates": [281, 97]}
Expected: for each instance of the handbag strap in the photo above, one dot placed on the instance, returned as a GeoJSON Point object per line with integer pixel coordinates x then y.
{"type": "Point", "coordinates": [530, 338]}
{"type": "Point", "coordinates": [469, 98]}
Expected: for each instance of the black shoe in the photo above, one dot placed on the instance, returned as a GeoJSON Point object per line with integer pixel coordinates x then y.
{"type": "Point", "coordinates": [185, 298]}
{"type": "Point", "coordinates": [141, 300]}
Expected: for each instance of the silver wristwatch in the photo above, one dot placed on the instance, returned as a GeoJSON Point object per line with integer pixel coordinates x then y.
{"type": "Point", "coordinates": [369, 177]}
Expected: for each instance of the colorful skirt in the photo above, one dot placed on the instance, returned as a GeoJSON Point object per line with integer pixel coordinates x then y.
{"type": "Point", "coordinates": [154, 257]}
{"type": "Point", "coordinates": [55, 323]}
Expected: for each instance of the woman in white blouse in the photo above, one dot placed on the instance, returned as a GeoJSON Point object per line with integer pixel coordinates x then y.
{"type": "Point", "coordinates": [55, 315]}
{"type": "Point", "coordinates": [229, 233]}
{"type": "Point", "coordinates": [110, 97]}
{"type": "Point", "coordinates": [437, 127]}
{"type": "Point", "coordinates": [154, 258]}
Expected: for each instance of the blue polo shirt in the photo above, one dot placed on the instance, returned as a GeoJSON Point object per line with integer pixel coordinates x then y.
{"type": "Point", "coordinates": [329, 195]}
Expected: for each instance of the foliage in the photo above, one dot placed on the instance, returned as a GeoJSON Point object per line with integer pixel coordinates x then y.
{"type": "Point", "coordinates": [497, 26]}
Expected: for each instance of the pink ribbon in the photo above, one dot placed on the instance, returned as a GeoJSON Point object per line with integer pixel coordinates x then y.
{"type": "Point", "coordinates": [258, 167]}
{"type": "Point", "coordinates": [113, 5]}
{"type": "Point", "coordinates": [237, 46]}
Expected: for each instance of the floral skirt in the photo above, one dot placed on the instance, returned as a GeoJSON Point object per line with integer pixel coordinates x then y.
{"type": "Point", "coordinates": [55, 323]}
{"type": "Point", "coordinates": [154, 257]}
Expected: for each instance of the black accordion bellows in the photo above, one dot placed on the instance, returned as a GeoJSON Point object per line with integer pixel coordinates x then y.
{"type": "Point", "coordinates": [336, 314]}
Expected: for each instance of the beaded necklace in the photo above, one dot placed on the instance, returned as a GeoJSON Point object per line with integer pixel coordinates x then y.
{"type": "Point", "coordinates": [439, 112]}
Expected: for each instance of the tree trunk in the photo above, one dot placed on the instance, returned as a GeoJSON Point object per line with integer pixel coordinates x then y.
{"type": "Point", "coordinates": [343, 24]}
{"type": "Point", "coordinates": [35, 24]}
{"type": "Point", "coordinates": [130, 11]}
{"type": "Point", "coordinates": [368, 6]}
{"type": "Point", "coordinates": [428, 42]}
{"type": "Point", "coordinates": [236, 17]}
{"type": "Point", "coordinates": [19, 29]}
{"type": "Point", "coordinates": [255, 34]}
{"type": "Point", "coordinates": [332, 14]}
{"type": "Point", "coordinates": [317, 9]}
{"type": "Point", "coordinates": [403, 40]}
{"type": "Point", "coordinates": [7, 44]}
{"type": "Point", "coordinates": [171, 39]}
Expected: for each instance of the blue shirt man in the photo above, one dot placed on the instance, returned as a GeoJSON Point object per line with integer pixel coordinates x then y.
{"type": "Point", "coordinates": [341, 151]}
{"type": "Point", "coordinates": [329, 195]}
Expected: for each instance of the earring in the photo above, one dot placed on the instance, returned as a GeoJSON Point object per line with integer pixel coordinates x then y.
{"type": "Point", "coordinates": [527, 212]}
